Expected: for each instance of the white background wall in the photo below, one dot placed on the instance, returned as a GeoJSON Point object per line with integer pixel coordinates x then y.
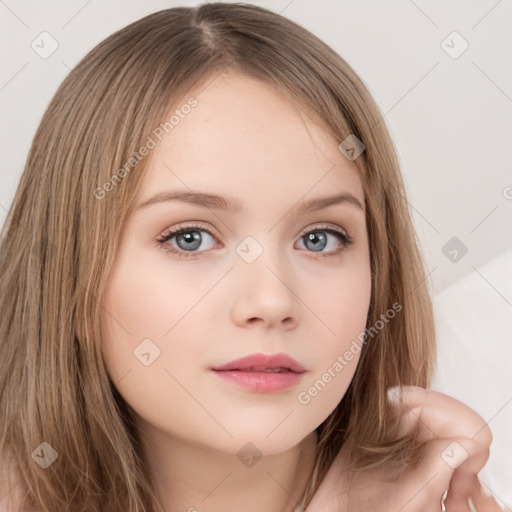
{"type": "Point", "coordinates": [450, 117]}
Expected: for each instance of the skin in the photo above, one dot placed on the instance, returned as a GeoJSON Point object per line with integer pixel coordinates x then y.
{"type": "Point", "coordinates": [458, 441]}
{"type": "Point", "coordinates": [246, 140]}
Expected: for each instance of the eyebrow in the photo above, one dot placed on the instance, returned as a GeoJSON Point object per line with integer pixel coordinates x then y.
{"type": "Point", "coordinates": [216, 202]}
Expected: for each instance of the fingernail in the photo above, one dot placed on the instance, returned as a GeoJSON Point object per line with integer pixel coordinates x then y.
{"type": "Point", "coordinates": [395, 395]}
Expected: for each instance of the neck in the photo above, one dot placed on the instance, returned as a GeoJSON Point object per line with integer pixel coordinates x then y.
{"type": "Point", "coordinates": [190, 477]}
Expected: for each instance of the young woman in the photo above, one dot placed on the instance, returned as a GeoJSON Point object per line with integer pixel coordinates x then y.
{"type": "Point", "coordinates": [211, 293]}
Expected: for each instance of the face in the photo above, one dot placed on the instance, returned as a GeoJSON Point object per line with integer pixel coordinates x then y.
{"type": "Point", "coordinates": [269, 277]}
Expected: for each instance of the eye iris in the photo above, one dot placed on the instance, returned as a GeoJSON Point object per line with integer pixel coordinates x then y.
{"type": "Point", "coordinates": [189, 240]}
{"type": "Point", "coordinates": [190, 237]}
{"type": "Point", "coordinates": [319, 240]}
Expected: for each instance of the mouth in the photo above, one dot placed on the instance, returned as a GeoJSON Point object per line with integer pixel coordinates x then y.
{"type": "Point", "coordinates": [263, 363]}
{"type": "Point", "coordinates": [262, 370]}
{"type": "Point", "coordinates": [261, 373]}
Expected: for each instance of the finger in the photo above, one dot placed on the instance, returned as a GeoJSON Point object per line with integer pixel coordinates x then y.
{"type": "Point", "coordinates": [461, 486]}
{"type": "Point", "coordinates": [482, 501]}
{"type": "Point", "coordinates": [464, 490]}
{"type": "Point", "coordinates": [440, 473]}
{"type": "Point", "coordinates": [431, 415]}
{"type": "Point", "coordinates": [436, 415]}
{"type": "Point", "coordinates": [414, 489]}
{"type": "Point", "coordinates": [428, 481]}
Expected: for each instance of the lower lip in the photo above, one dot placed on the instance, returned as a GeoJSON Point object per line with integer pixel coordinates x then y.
{"type": "Point", "coordinates": [263, 382]}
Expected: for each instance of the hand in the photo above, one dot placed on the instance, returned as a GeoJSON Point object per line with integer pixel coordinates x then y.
{"type": "Point", "coordinates": [458, 441]}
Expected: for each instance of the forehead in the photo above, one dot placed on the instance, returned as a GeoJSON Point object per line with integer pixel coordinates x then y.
{"type": "Point", "coordinates": [244, 137]}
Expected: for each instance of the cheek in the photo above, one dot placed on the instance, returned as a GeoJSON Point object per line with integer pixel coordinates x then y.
{"type": "Point", "coordinates": [340, 301]}
{"type": "Point", "coordinates": [342, 309]}
{"type": "Point", "coordinates": [141, 303]}
{"type": "Point", "coordinates": [161, 308]}
{"type": "Point", "coordinates": [149, 297]}
{"type": "Point", "coordinates": [177, 308]}
{"type": "Point", "coordinates": [151, 333]}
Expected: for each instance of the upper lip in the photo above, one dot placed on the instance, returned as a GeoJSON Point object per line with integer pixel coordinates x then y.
{"type": "Point", "coordinates": [261, 362]}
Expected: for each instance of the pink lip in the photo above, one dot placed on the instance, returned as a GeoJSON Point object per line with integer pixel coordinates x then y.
{"type": "Point", "coordinates": [248, 372]}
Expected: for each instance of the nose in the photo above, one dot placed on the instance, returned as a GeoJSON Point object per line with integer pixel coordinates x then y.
{"type": "Point", "coordinates": [265, 292]}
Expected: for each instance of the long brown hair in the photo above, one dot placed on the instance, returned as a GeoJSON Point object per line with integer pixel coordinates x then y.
{"type": "Point", "coordinates": [61, 237]}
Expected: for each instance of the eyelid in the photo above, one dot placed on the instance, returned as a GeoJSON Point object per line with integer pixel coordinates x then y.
{"type": "Point", "coordinates": [213, 232]}
{"type": "Point", "coordinates": [345, 239]}
{"type": "Point", "coordinates": [188, 226]}
{"type": "Point", "coordinates": [323, 226]}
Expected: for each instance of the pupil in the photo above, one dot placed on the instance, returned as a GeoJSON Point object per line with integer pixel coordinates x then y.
{"type": "Point", "coordinates": [191, 237]}
{"type": "Point", "coordinates": [318, 239]}
{"type": "Point", "coordinates": [315, 241]}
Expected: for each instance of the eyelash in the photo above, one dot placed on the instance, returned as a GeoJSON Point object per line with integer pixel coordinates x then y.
{"type": "Point", "coordinates": [344, 237]}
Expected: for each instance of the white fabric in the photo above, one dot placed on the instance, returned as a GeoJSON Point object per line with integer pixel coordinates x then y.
{"type": "Point", "coordinates": [474, 337]}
